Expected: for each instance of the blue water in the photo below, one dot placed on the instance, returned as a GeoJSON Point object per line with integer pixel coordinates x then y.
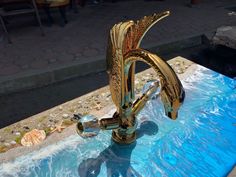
{"type": "Point", "coordinates": [200, 143]}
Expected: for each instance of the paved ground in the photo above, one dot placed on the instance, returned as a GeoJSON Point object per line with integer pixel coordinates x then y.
{"type": "Point", "coordinates": [84, 38]}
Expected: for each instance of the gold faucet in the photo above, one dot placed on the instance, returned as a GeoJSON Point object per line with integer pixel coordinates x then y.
{"type": "Point", "coordinates": [122, 53]}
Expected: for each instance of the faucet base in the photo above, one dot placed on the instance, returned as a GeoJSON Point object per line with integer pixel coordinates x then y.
{"type": "Point", "coordinates": [127, 139]}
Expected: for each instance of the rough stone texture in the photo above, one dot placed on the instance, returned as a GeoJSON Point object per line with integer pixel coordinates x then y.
{"type": "Point", "coordinates": [90, 103]}
{"type": "Point", "coordinates": [226, 35]}
{"type": "Point", "coordinates": [84, 38]}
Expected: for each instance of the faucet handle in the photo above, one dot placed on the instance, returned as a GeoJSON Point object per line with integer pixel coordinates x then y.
{"type": "Point", "coordinates": [87, 125]}
{"type": "Point", "coordinates": [151, 83]}
{"type": "Point", "coordinates": [150, 91]}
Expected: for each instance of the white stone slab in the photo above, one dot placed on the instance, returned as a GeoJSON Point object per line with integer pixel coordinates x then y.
{"type": "Point", "coordinates": [225, 35]}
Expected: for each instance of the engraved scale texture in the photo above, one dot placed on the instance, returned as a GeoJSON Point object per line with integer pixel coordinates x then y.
{"type": "Point", "coordinates": [125, 37]}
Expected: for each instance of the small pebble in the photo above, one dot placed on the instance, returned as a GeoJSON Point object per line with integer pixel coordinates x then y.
{"type": "Point", "coordinates": [17, 133]}
{"type": "Point", "coordinates": [65, 116]}
{"type": "Point", "coordinates": [177, 63]}
{"type": "Point", "coordinates": [60, 107]}
{"type": "Point", "coordinates": [180, 71]}
{"type": "Point", "coordinates": [13, 142]}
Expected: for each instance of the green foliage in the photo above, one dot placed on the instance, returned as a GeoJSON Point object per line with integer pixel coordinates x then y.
{"type": "Point", "coordinates": [47, 130]}
{"type": "Point", "coordinates": [71, 110]}
{"type": "Point", "coordinates": [67, 122]}
{"type": "Point", "coordinates": [7, 130]}
{"type": "Point", "coordinates": [18, 138]}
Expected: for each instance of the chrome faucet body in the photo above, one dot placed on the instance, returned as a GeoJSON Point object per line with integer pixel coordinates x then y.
{"type": "Point", "coordinates": [122, 53]}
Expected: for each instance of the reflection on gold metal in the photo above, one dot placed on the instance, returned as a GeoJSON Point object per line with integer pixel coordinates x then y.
{"type": "Point", "coordinates": [122, 53]}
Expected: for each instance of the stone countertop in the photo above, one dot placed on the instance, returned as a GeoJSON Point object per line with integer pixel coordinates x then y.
{"type": "Point", "coordinates": [97, 103]}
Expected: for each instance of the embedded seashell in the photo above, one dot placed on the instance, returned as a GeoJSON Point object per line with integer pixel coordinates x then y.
{"type": "Point", "coordinates": [33, 137]}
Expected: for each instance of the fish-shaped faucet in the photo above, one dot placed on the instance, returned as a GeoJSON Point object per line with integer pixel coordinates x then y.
{"type": "Point", "coordinates": [122, 52]}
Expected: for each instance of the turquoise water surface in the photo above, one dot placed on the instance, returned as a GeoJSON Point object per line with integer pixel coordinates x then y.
{"type": "Point", "coordinates": [200, 143]}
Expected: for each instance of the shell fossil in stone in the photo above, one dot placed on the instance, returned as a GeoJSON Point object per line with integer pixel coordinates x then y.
{"type": "Point", "coordinates": [33, 137]}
